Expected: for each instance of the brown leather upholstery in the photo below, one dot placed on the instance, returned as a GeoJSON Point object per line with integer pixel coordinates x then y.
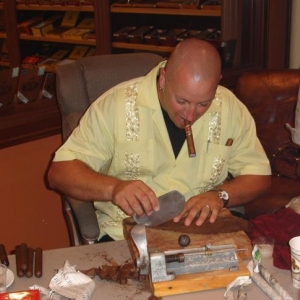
{"type": "Point", "coordinates": [271, 97]}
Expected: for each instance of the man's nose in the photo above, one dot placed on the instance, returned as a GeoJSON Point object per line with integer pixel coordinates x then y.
{"type": "Point", "coordinates": [191, 113]}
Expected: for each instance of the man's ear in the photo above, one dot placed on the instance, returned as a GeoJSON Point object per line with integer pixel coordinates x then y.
{"type": "Point", "coordinates": [161, 79]}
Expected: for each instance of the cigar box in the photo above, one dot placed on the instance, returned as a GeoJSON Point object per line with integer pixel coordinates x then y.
{"type": "Point", "coordinates": [169, 38]}
{"type": "Point", "coordinates": [56, 32]}
{"type": "Point", "coordinates": [122, 3]}
{"type": "Point", "coordinates": [121, 35]}
{"type": "Point", "coordinates": [21, 295]}
{"type": "Point", "coordinates": [44, 2]}
{"type": "Point", "coordinates": [191, 4]}
{"type": "Point", "coordinates": [187, 34]}
{"type": "Point", "coordinates": [211, 5]}
{"type": "Point", "coordinates": [152, 37]}
{"type": "Point", "coordinates": [87, 2]}
{"type": "Point", "coordinates": [87, 23]}
{"type": "Point", "coordinates": [137, 35]}
{"type": "Point", "coordinates": [78, 52]}
{"type": "Point", "coordinates": [91, 51]}
{"type": "Point", "coordinates": [73, 2]}
{"type": "Point", "coordinates": [44, 27]}
{"type": "Point", "coordinates": [70, 19]}
{"type": "Point", "coordinates": [25, 27]}
{"type": "Point", "coordinates": [47, 95]}
{"type": "Point", "coordinates": [169, 3]}
{"type": "Point", "coordinates": [144, 3]}
{"type": "Point", "coordinates": [91, 35]}
{"type": "Point", "coordinates": [29, 87]}
{"type": "Point", "coordinates": [60, 54]}
{"type": "Point", "coordinates": [58, 2]}
{"type": "Point", "coordinates": [75, 33]}
{"type": "Point", "coordinates": [8, 88]}
{"type": "Point", "coordinates": [41, 53]}
{"type": "Point", "coordinates": [206, 33]}
{"type": "Point", "coordinates": [33, 2]}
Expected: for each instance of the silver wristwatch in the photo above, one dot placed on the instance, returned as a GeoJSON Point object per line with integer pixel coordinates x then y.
{"type": "Point", "coordinates": [223, 195]}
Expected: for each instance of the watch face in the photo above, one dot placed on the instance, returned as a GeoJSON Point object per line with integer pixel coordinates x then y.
{"type": "Point", "coordinates": [224, 195]}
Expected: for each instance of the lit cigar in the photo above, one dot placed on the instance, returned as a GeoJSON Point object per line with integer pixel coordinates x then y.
{"type": "Point", "coordinates": [189, 138]}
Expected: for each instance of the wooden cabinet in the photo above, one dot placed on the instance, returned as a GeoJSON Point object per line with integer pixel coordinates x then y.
{"type": "Point", "coordinates": [259, 27]}
{"type": "Point", "coordinates": [41, 120]}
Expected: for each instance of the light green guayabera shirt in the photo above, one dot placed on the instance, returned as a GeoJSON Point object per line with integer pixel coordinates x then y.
{"type": "Point", "coordinates": [123, 134]}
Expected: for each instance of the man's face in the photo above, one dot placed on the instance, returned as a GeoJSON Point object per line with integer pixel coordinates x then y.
{"type": "Point", "coordinates": [185, 99]}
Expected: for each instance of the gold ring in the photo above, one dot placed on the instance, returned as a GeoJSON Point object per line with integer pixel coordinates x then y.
{"type": "Point", "coordinates": [206, 205]}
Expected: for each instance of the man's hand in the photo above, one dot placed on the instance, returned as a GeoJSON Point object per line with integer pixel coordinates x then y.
{"type": "Point", "coordinates": [134, 197]}
{"type": "Point", "coordinates": [201, 207]}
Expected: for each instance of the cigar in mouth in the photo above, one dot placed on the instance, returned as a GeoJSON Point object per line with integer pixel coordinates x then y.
{"type": "Point", "coordinates": [189, 138]}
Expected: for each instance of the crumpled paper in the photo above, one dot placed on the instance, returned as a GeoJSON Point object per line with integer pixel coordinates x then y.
{"type": "Point", "coordinates": [72, 284]}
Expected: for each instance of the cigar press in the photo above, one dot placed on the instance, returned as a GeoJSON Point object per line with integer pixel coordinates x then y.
{"type": "Point", "coordinates": [171, 204]}
{"type": "Point", "coordinates": [166, 265]}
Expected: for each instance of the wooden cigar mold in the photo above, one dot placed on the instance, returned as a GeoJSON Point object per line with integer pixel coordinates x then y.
{"type": "Point", "coordinates": [29, 261]}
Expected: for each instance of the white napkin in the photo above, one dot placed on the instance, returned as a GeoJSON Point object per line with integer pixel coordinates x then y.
{"type": "Point", "coordinates": [72, 284]}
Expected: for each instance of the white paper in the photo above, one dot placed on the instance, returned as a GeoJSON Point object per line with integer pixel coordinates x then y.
{"type": "Point", "coordinates": [266, 288]}
{"type": "Point", "coordinates": [72, 284]}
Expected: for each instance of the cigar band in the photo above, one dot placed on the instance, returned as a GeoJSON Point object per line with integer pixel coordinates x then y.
{"type": "Point", "coordinates": [188, 130]}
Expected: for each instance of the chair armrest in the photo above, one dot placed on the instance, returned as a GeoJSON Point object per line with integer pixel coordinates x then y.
{"type": "Point", "coordinates": [82, 221]}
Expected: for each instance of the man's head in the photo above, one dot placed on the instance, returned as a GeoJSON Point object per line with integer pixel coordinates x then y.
{"type": "Point", "coordinates": [187, 84]}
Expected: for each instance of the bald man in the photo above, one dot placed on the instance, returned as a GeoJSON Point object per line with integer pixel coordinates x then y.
{"type": "Point", "coordinates": [130, 146]}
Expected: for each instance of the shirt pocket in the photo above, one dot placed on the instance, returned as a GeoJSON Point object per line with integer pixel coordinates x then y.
{"type": "Point", "coordinates": [133, 159]}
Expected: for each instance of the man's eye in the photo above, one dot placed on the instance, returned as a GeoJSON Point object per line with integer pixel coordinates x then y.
{"type": "Point", "coordinates": [181, 102]}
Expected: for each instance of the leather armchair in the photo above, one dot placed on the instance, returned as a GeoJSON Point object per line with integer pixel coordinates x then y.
{"type": "Point", "coordinates": [271, 97]}
{"type": "Point", "coordinates": [78, 84]}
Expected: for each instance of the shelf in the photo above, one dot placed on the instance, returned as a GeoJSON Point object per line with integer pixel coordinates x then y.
{"type": "Point", "coordinates": [167, 11]}
{"type": "Point", "coordinates": [57, 40]}
{"type": "Point", "coordinates": [144, 47]}
{"type": "Point", "coordinates": [29, 126]}
{"type": "Point", "coordinates": [4, 63]}
{"type": "Point", "coordinates": [87, 8]}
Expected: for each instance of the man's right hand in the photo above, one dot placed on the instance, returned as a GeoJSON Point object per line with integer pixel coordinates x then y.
{"type": "Point", "coordinates": [134, 198]}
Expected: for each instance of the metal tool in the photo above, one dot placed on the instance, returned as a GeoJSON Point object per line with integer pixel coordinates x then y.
{"type": "Point", "coordinates": [171, 204]}
{"type": "Point", "coordinates": [165, 265]}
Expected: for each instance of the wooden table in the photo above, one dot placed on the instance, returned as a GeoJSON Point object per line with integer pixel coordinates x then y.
{"type": "Point", "coordinates": [86, 257]}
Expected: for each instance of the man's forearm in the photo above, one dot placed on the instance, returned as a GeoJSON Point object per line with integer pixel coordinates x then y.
{"type": "Point", "coordinates": [77, 180]}
{"type": "Point", "coordinates": [245, 188]}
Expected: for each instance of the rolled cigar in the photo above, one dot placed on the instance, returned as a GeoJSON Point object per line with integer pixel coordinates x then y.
{"type": "Point", "coordinates": [3, 255]}
{"type": "Point", "coordinates": [20, 272]}
{"type": "Point", "coordinates": [23, 257]}
{"type": "Point", "coordinates": [30, 254]}
{"type": "Point", "coordinates": [274, 283]}
{"type": "Point", "coordinates": [38, 262]}
{"type": "Point", "coordinates": [189, 138]}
